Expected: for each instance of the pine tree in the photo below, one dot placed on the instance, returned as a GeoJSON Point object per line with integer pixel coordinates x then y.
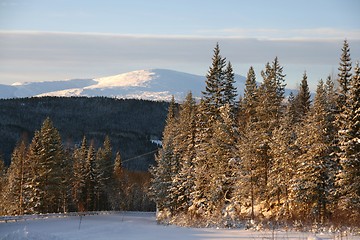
{"type": "Point", "coordinates": [16, 180]}
{"type": "Point", "coordinates": [312, 183]}
{"type": "Point", "coordinates": [268, 113]}
{"type": "Point", "coordinates": [344, 76]}
{"type": "Point", "coordinates": [79, 176]}
{"type": "Point", "coordinates": [117, 196]}
{"type": "Point", "coordinates": [90, 177]}
{"type": "Point", "coordinates": [104, 166]}
{"type": "Point", "coordinates": [250, 99]}
{"type": "Point", "coordinates": [167, 165]}
{"type": "Point", "coordinates": [224, 156]}
{"type": "Point", "coordinates": [348, 179]}
{"type": "Point", "coordinates": [183, 182]}
{"type": "Point", "coordinates": [302, 100]}
{"type": "Point", "coordinates": [283, 151]}
{"type": "Point", "coordinates": [215, 81]}
{"type": "Point", "coordinates": [203, 161]}
{"type": "Point", "coordinates": [36, 192]}
{"type": "Point", "coordinates": [51, 159]}
{"type": "Point", "coordinates": [230, 91]}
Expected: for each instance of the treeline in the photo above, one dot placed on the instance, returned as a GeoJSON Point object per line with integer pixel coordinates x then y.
{"type": "Point", "coordinates": [263, 158]}
{"type": "Point", "coordinates": [130, 123]}
{"type": "Point", "coordinates": [46, 177]}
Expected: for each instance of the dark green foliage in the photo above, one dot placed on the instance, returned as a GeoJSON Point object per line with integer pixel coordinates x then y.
{"type": "Point", "coordinates": [129, 123]}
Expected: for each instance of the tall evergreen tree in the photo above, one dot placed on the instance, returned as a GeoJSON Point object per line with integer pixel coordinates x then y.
{"type": "Point", "coordinates": [224, 156]}
{"type": "Point", "coordinates": [167, 165]}
{"type": "Point", "coordinates": [344, 76]}
{"type": "Point", "coordinates": [104, 166]}
{"type": "Point", "coordinates": [182, 185]}
{"type": "Point", "coordinates": [79, 176]}
{"type": "Point", "coordinates": [90, 177]}
{"type": "Point", "coordinates": [36, 171]}
{"type": "Point", "coordinates": [312, 184]}
{"type": "Point", "coordinates": [16, 181]}
{"type": "Point", "coordinates": [215, 81]}
{"type": "Point", "coordinates": [348, 179]}
{"type": "Point", "coordinates": [303, 99]}
{"type": "Point", "coordinates": [230, 91]}
{"type": "Point", "coordinates": [284, 150]}
{"type": "Point", "coordinates": [250, 99]}
{"type": "Point", "coordinates": [50, 162]}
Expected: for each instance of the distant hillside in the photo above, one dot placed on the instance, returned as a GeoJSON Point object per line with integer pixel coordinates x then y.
{"type": "Point", "coordinates": [152, 84]}
{"type": "Point", "coordinates": [131, 124]}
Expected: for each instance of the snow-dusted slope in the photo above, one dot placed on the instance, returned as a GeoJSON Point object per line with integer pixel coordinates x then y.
{"type": "Point", "coordinates": [153, 84]}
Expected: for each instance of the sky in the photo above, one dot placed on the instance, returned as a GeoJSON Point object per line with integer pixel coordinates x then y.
{"type": "Point", "coordinates": [43, 40]}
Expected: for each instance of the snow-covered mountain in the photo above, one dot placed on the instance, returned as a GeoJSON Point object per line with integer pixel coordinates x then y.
{"type": "Point", "coordinates": [153, 84]}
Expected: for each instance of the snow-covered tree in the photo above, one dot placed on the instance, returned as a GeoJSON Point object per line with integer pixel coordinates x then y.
{"type": "Point", "coordinates": [313, 181]}
{"type": "Point", "coordinates": [283, 150]}
{"type": "Point", "coordinates": [183, 182]}
{"type": "Point", "coordinates": [14, 193]}
{"type": "Point", "coordinates": [51, 157]}
{"type": "Point", "coordinates": [167, 165]}
{"type": "Point", "coordinates": [348, 179]}
{"type": "Point", "coordinates": [79, 175]}
{"type": "Point", "coordinates": [104, 168]}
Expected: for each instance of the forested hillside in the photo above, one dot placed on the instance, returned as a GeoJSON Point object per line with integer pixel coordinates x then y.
{"type": "Point", "coordinates": [130, 124]}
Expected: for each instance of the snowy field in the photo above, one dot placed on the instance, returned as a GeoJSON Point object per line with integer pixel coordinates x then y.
{"type": "Point", "coordinates": [132, 226]}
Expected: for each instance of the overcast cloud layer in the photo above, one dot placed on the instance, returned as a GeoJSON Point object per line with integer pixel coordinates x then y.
{"type": "Point", "coordinates": [31, 56]}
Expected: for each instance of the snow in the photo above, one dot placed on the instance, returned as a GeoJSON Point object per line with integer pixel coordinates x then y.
{"type": "Point", "coordinates": [150, 84]}
{"type": "Point", "coordinates": [131, 225]}
{"type": "Point", "coordinates": [135, 78]}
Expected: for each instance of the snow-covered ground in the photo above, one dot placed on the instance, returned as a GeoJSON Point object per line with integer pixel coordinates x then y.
{"type": "Point", "coordinates": [133, 226]}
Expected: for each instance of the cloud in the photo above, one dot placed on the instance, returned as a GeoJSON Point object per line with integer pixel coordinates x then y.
{"type": "Point", "coordinates": [35, 56]}
{"type": "Point", "coordinates": [320, 34]}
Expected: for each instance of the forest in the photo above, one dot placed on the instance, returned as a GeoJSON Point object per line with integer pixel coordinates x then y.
{"type": "Point", "coordinates": [77, 154]}
{"type": "Point", "coordinates": [265, 159]}
{"type": "Point", "coordinates": [129, 123]}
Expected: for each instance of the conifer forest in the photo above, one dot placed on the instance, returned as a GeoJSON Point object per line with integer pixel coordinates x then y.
{"type": "Point", "coordinates": [262, 157]}
{"type": "Point", "coordinates": [225, 159]}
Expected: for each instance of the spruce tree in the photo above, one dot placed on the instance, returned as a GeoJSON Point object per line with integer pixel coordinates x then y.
{"type": "Point", "coordinates": [90, 177]}
{"type": "Point", "coordinates": [16, 181]}
{"type": "Point", "coordinates": [215, 81]}
{"type": "Point", "coordinates": [104, 166]}
{"type": "Point", "coordinates": [79, 176]}
{"type": "Point", "coordinates": [36, 171]}
{"type": "Point", "coordinates": [348, 179]}
{"type": "Point", "coordinates": [250, 99]}
{"type": "Point", "coordinates": [167, 165]}
{"type": "Point", "coordinates": [284, 150]}
{"type": "Point", "coordinates": [182, 185]}
{"type": "Point", "coordinates": [303, 99]}
{"type": "Point", "coordinates": [344, 76]}
{"type": "Point", "coordinates": [51, 159]}
{"type": "Point", "coordinates": [224, 154]}
{"type": "Point", "coordinates": [117, 196]}
{"type": "Point", "coordinates": [230, 91]}
{"type": "Point", "coordinates": [312, 184]}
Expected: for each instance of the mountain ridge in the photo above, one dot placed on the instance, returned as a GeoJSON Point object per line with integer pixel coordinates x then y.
{"type": "Point", "coordinates": [150, 84]}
